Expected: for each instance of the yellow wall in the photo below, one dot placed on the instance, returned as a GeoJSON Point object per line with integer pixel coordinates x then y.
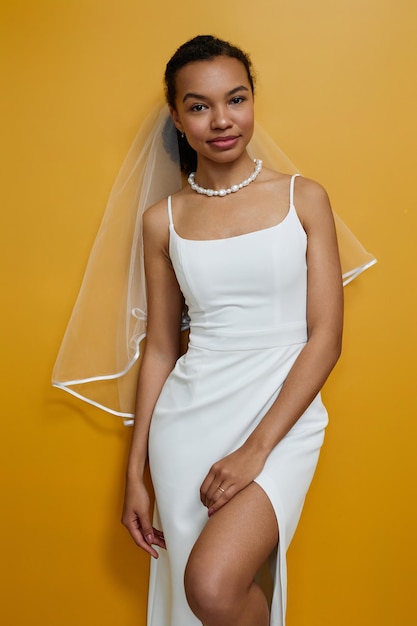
{"type": "Point", "coordinates": [337, 89]}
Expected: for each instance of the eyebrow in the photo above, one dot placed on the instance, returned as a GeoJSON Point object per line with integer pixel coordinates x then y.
{"type": "Point", "coordinates": [198, 96]}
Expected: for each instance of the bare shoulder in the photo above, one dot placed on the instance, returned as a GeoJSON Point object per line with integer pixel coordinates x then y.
{"type": "Point", "coordinates": [309, 190]}
{"type": "Point", "coordinates": [155, 218]}
{"type": "Point", "coordinates": [311, 202]}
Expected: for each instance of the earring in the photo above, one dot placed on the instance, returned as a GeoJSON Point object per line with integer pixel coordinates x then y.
{"type": "Point", "coordinates": [182, 135]}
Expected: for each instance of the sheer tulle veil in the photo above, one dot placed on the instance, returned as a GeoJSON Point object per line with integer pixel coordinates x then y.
{"type": "Point", "coordinates": [99, 356]}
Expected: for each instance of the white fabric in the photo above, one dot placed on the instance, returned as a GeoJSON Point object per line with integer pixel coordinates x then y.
{"type": "Point", "coordinates": [246, 297]}
{"type": "Point", "coordinates": [99, 356]}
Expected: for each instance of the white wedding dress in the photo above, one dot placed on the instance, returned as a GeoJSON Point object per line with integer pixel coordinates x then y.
{"type": "Point", "coordinates": [246, 297]}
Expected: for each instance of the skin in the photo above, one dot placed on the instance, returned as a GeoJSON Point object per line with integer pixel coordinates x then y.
{"type": "Point", "coordinates": [215, 109]}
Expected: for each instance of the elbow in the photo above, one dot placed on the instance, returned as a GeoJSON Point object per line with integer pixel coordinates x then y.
{"type": "Point", "coordinates": [335, 348]}
{"type": "Point", "coordinates": [337, 353]}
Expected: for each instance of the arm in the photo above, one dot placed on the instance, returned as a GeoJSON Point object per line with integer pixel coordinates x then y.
{"type": "Point", "coordinates": [314, 363]}
{"type": "Point", "coordinates": [162, 349]}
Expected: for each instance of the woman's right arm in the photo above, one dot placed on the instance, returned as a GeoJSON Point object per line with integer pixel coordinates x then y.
{"type": "Point", "coordinates": [164, 304]}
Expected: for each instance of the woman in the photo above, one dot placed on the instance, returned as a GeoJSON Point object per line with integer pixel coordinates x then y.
{"type": "Point", "coordinates": [233, 427]}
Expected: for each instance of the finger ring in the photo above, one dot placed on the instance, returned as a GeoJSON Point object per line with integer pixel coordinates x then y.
{"type": "Point", "coordinates": [221, 489]}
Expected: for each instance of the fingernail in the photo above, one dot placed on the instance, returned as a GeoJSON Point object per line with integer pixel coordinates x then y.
{"type": "Point", "coordinates": [149, 538]}
{"type": "Point", "coordinates": [210, 512]}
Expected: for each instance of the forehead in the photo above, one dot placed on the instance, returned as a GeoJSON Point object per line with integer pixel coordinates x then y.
{"type": "Point", "coordinates": [220, 74]}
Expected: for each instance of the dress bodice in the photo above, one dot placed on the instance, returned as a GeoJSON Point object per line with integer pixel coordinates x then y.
{"type": "Point", "coordinates": [247, 283]}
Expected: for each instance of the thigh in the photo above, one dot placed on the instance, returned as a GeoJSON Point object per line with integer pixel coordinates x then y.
{"type": "Point", "coordinates": [237, 539]}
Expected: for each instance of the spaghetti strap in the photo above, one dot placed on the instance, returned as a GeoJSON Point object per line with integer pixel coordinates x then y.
{"type": "Point", "coordinates": [171, 223]}
{"type": "Point", "coordinates": [293, 177]}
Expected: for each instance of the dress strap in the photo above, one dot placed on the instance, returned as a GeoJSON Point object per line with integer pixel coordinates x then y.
{"type": "Point", "coordinates": [171, 222]}
{"type": "Point", "coordinates": [293, 177]}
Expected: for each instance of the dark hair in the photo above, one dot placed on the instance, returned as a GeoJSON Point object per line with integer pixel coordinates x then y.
{"type": "Point", "coordinates": [201, 48]}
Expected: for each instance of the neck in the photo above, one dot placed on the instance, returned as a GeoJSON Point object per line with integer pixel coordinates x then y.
{"type": "Point", "coordinates": [222, 175]}
{"type": "Point", "coordinates": [225, 191]}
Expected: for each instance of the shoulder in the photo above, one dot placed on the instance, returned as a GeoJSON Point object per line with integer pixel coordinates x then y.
{"type": "Point", "coordinates": [311, 202]}
{"type": "Point", "coordinates": [156, 216]}
{"type": "Point", "coordinates": [155, 223]}
{"type": "Point", "coordinates": [310, 190]}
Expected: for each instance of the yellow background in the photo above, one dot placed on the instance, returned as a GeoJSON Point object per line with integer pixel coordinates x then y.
{"type": "Point", "coordinates": [337, 90]}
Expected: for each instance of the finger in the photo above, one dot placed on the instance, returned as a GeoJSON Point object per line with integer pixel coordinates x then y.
{"type": "Point", "coordinates": [207, 487]}
{"type": "Point", "coordinates": [221, 500]}
{"type": "Point", "coordinates": [159, 538]}
{"type": "Point", "coordinates": [214, 496]}
{"type": "Point", "coordinates": [214, 484]}
{"type": "Point", "coordinates": [159, 533]}
{"type": "Point", "coordinates": [140, 541]}
{"type": "Point", "coordinates": [142, 533]}
{"type": "Point", "coordinates": [217, 488]}
{"type": "Point", "coordinates": [146, 528]}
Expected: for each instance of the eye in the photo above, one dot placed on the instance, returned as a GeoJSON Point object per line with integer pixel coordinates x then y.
{"type": "Point", "coordinates": [237, 100]}
{"type": "Point", "coordinates": [198, 107]}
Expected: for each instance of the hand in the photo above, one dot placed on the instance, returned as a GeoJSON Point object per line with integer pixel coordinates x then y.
{"type": "Point", "coordinates": [136, 518]}
{"type": "Point", "coordinates": [229, 476]}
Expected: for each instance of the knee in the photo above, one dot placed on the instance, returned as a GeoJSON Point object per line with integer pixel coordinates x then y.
{"type": "Point", "coordinates": [210, 592]}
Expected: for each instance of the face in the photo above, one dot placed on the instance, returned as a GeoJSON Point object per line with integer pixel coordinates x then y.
{"type": "Point", "coordinates": [214, 108]}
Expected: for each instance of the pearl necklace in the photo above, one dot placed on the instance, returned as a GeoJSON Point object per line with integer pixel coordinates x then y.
{"type": "Point", "coordinates": [232, 189]}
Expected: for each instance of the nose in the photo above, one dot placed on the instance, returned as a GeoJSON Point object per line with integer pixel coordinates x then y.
{"type": "Point", "coordinates": [220, 119]}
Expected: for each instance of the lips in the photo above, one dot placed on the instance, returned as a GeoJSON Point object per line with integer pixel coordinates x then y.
{"type": "Point", "coordinates": [224, 142]}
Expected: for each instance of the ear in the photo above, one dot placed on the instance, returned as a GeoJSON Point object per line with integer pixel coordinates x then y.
{"type": "Point", "coordinates": [174, 115]}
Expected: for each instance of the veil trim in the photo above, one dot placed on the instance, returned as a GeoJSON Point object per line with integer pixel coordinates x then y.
{"type": "Point", "coordinates": [352, 274]}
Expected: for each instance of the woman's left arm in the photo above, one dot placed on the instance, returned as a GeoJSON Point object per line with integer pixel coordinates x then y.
{"type": "Point", "coordinates": [314, 363]}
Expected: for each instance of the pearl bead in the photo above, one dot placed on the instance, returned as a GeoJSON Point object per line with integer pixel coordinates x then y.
{"type": "Point", "coordinates": [224, 192]}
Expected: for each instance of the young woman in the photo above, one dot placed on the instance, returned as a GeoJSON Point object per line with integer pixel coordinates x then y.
{"type": "Point", "coordinates": [233, 428]}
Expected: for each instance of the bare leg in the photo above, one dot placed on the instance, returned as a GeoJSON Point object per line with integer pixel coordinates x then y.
{"type": "Point", "coordinates": [219, 578]}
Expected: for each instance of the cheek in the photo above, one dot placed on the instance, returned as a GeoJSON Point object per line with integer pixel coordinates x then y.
{"type": "Point", "coordinates": [196, 131]}
{"type": "Point", "coordinates": [249, 121]}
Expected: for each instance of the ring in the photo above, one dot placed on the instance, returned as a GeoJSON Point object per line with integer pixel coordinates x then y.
{"type": "Point", "coordinates": [221, 489]}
